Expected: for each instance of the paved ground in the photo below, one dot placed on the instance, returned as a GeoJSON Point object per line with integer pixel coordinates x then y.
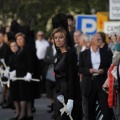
{"type": "Point", "coordinates": [41, 113]}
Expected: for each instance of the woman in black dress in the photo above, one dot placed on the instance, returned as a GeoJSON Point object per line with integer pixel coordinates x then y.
{"type": "Point", "coordinates": [23, 70]}
{"type": "Point", "coordinates": [67, 80]}
{"type": "Point", "coordinates": [13, 84]}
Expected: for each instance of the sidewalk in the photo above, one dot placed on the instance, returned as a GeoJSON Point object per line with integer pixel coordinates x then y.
{"type": "Point", "coordinates": [41, 110]}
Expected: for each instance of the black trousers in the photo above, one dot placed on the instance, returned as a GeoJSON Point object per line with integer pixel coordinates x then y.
{"type": "Point", "coordinates": [98, 94]}
{"type": "Point", "coordinates": [84, 105]}
{"type": "Point", "coordinates": [41, 74]}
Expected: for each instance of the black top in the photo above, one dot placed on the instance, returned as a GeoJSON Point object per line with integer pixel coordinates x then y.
{"type": "Point", "coordinates": [66, 71]}
{"type": "Point", "coordinates": [60, 68]}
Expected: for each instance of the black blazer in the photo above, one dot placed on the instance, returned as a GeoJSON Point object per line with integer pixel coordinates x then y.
{"type": "Point", "coordinates": [85, 64]}
{"type": "Point", "coordinates": [24, 62]}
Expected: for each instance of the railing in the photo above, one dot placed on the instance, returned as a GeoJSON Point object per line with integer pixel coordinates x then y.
{"type": "Point", "coordinates": [0, 89]}
{"type": "Point", "coordinates": [116, 110]}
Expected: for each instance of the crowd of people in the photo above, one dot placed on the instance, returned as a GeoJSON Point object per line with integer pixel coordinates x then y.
{"type": "Point", "coordinates": [75, 71]}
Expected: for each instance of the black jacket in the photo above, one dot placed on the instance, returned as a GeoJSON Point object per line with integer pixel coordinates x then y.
{"type": "Point", "coordinates": [66, 72]}
{"type": "Point", "coordinates": [105, 47]}
{"type": "Point", "coordinates": [12, 61]}
{"type": "Point", "coordinates": [67, 84]}
{"type": "Point", "coordinates": [4, 52]}
{"type": "Point", "coordinates": [24, 62]}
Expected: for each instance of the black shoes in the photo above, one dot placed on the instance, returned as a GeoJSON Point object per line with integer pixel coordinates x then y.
{"type": "Point", "coordinates": [23, 118]}
{"type": "Point", "coordinates": [30, 118]}
{"type": "Point", "coordinates": [51, 108]}
{"type": "Point", "coordinates": [33, 110]}
{"type": "Point", "coordinates": [26, 118]}
{"type": "Point", "coordinates": [1, 103]}
{"type": "Point", "coordinates": [6, 105]}
{"type": "Point", "coordinates": [15, 118]}
{"type": "Point", "coordinates": [50, 111]}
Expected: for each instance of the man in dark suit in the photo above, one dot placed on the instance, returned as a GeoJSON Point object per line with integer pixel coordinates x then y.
{"type": "Point", "coordinates": [94, 64]}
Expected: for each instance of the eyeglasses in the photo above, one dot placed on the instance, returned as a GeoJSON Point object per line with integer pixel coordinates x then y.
{"type": "Point", "coordinates": [40, 35]}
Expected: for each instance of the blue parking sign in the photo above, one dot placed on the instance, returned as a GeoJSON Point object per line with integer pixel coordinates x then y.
{"type": "Point", "coordinates": [86, 23]}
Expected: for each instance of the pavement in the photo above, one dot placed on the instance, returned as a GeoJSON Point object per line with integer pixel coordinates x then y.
{"type": "Point", "coordinates": [41, 110]}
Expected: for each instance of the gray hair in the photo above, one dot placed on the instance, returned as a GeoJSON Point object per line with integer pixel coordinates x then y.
{"type": "Point", "coordinates": [85, 37]}
{"type": "Point", "coordinates": [78, 31]}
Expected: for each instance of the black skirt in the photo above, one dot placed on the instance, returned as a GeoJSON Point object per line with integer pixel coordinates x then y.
{"type": "Point", "coordinates": [77, 107]}
{"type": "Point", "coordinates": [21, 90]}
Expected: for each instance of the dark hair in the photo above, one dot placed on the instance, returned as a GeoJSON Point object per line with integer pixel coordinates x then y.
{"type": "Point", "coordinates": [1, 32]}
{"type": "Point", "coordinates": [11, 41]}
{"type": "Point", "coordinates": [60, 20]}
{"type": "Point", "coordinates": [103, 35]}
{"type": "Point", "coordinates": [15, 27]}
{"type": "Point", "coordinates": [70, 17]}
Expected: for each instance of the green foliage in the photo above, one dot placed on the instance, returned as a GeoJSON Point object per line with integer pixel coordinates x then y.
{"type": "Point", "coordinates": [37, 13]}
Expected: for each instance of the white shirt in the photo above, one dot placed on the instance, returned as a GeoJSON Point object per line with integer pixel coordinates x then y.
{"type": "Point", "coordinates": [83, 48]}
{"type": "Point", "coordinates": [95, 59]}
{"type": "Point", "coordinates": [41, 46]}
{"type": "Point", "coordinates": [54, 50]}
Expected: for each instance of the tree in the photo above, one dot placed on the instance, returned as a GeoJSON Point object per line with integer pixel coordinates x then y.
{"type": "Point", "coordinates": [38, 13]}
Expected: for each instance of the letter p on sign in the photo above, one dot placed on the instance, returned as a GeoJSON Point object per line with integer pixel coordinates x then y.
{"type": "Point", "coordinates": [86, 23]}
